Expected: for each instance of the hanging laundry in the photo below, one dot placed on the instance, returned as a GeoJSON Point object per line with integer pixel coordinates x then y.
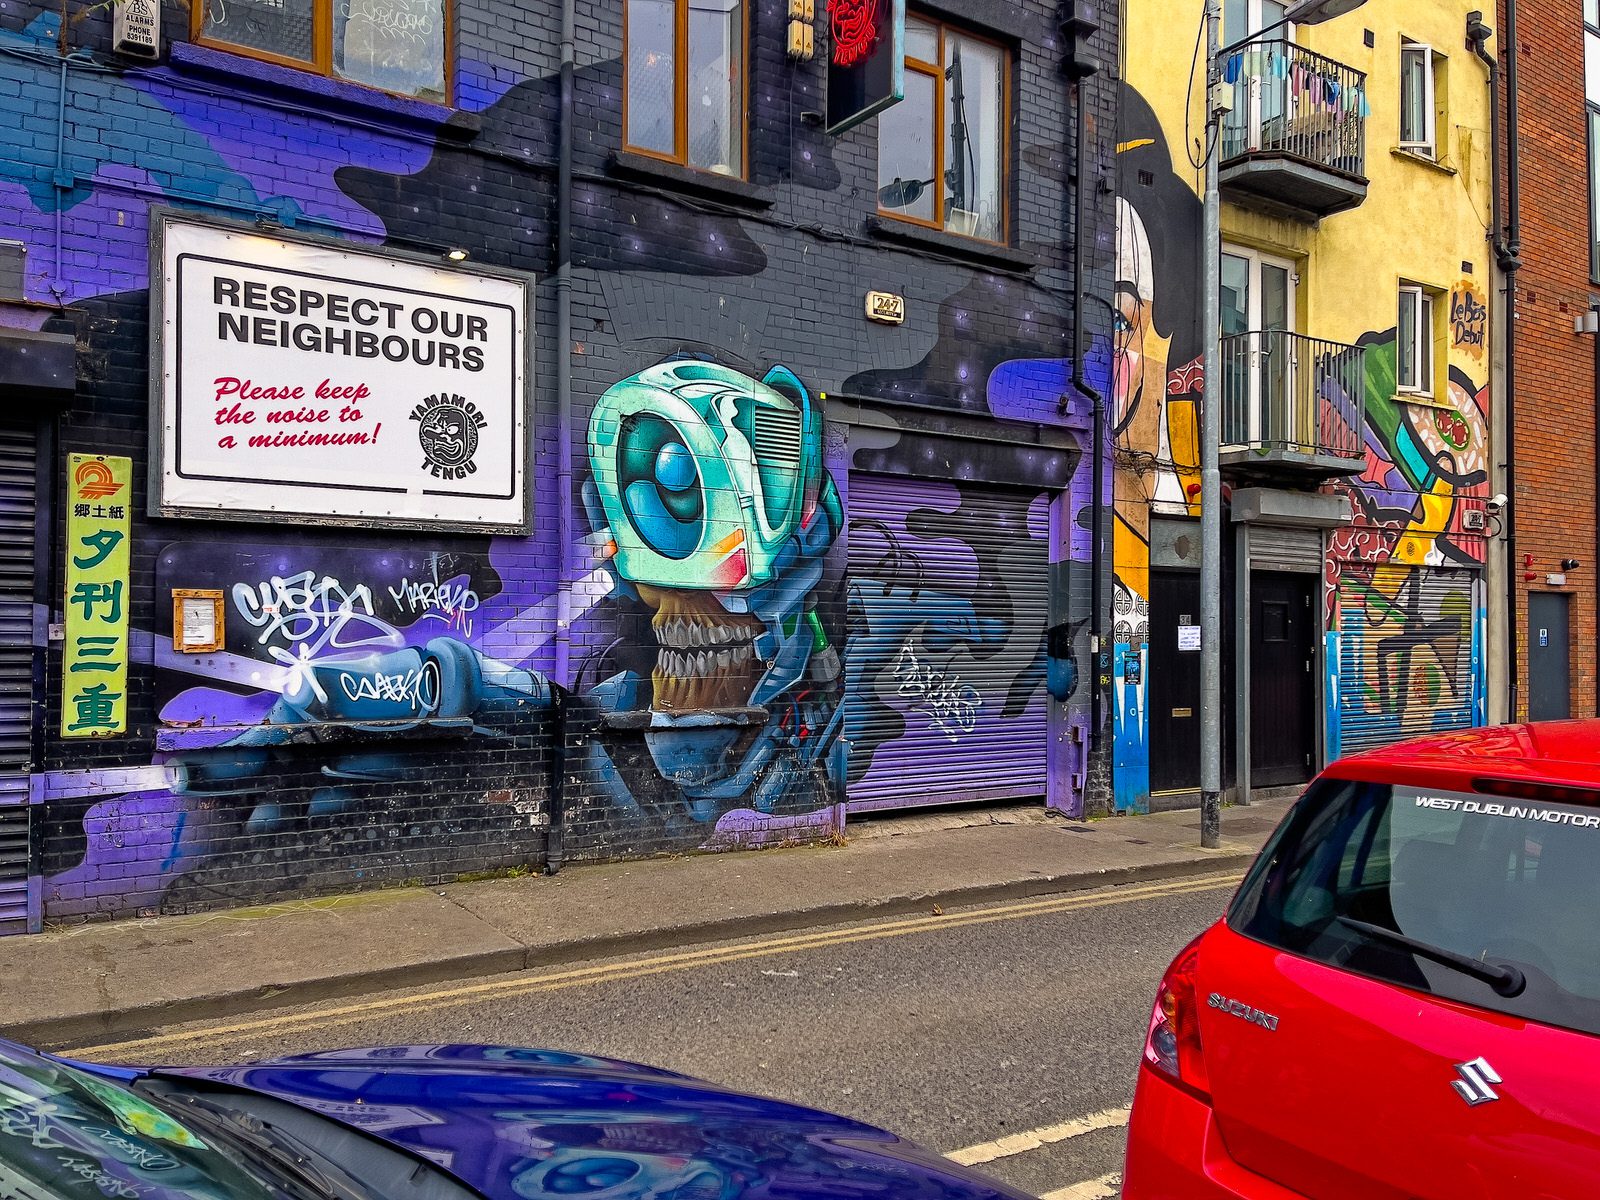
{"type": "Point", "coordinates": [1231, 69]}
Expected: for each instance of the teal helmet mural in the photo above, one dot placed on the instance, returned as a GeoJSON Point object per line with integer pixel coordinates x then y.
{"type": "Point", "coordinates": [705, 474]}
{"type": "Point", "coordinates": [709, 495]}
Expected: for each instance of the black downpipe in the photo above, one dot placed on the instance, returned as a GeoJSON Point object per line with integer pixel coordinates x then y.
{"type": "Point", "coordinates": [1080, 380]}
{"type": "Point", "coordinates": [1510, 258]}
{"type": "Point", "coordinates": [556, 837]}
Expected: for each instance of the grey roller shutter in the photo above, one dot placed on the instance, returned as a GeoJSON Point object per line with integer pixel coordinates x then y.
{"type": "Point", "coordinates": [949, 601]}
{"type": "Point", "coordinates": [1297, 550]}
{"type": "Point", "coordinates": [1405, 652]}
{"type": "Point", "coordinates": [17, 476]}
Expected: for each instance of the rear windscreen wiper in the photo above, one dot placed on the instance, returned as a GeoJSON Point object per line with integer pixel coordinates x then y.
{"type": "Point", "coordinates": [1505, 979]}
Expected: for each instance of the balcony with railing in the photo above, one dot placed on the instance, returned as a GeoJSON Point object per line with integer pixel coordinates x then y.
{"type": "Point", "coordinates": [1296, 139]}
{"type": "Point", "coordinates": [1293, 407]}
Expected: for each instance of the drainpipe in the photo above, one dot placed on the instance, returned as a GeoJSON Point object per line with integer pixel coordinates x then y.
{"type": "Point", "coordinates": [1478, 35]}
{"type": "Point", "coordinates": [1080, 380]}
{"type": "Point", "coordinates": [1079, 25]}
{"type": "Point", "coordinates": [554, 844]}
{"type": "Point", "coordinates": [1509, 256]}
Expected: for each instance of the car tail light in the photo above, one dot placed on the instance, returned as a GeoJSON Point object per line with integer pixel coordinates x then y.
{"type": "Point", "coordinates": [1173, 1045]}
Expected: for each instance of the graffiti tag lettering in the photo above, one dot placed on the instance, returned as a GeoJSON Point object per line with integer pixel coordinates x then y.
{"type": "Point", "coordinates": [418, 688]}
{"type": "Point", "coordinates": [1469, 319]}
{"type": "Point", "coordinates": [31, 1124]}
{"type": "Point", "coordinates": [108, 1184]}
{"type": "Point", "coordinates": [451, 603]}
{"type": "Point", "coordinates": [301, 608]}
{"type": "Point", "coordinates": [951, 705]}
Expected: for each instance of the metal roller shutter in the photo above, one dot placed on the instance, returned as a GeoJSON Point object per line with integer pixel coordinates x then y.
{"type": "Point", "coordinates": [17, 475]}
{"type": "Point", "coordinates": [1298, 550]}
{"type": "Point", "coordinates": [949, 601]}
{"type": "Point", "coordinates": [1405, 652]}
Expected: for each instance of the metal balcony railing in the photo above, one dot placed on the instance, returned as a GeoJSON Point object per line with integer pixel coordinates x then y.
{"type": "Point", "coordinates": [1285, 394]}
{"type": "Point", "coordinates": [1289, 101]}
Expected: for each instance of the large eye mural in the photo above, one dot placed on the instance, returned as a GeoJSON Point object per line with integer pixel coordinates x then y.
{"type": "Point", "coordinates": [660, 485]}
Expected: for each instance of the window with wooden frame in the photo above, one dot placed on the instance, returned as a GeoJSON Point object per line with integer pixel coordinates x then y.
{"type": "Point", "coordinates": [397, 46]}
{"type": "Point", "coordinates": [684, 92]}
{"type": "Point", "coordinates": [942, 151]}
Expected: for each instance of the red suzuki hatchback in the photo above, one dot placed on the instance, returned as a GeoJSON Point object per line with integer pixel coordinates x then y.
{"type": "Point", "coordinates": [1403, 1000]}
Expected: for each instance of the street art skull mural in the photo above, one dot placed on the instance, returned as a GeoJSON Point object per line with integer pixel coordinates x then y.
{"type": "Point", "coordinates": [710, 500]}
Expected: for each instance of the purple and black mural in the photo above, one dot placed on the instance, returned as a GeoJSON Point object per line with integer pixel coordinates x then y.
{"type": "Point", "coordinates": [801, 557]}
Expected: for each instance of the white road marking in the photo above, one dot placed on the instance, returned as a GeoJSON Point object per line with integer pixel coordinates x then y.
{"type": "Point", "coordinates": [1089, 1189]}
{"type": "Point", "coordinates": [1021, 1143]}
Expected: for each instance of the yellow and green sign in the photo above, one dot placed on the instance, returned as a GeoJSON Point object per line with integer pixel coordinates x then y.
{"type": "Point", "coordinates": [95, 660]}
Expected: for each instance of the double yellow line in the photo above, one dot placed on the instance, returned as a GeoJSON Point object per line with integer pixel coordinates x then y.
{"type": "Point", "coordinates": [151, 1048]}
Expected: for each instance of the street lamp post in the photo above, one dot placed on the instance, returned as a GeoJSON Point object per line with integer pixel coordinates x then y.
{"type": "Point", "coordinates": [1306, 12]}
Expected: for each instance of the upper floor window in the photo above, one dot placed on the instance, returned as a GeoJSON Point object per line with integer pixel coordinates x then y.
{"type": "Point", "coordinates": [942, 150]}
{"type": "Point", "coordinates": [684, 96]}
{"type": "Point", "coordinates": [1418, 64]}
{"type": "Point", "coordinates": [1414, 340]}
{"type": "Point", "coordinates": [395, 45]}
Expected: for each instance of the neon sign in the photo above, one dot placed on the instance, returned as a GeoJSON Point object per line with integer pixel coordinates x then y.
{"type": "Point", "coordinates": [855, 29]}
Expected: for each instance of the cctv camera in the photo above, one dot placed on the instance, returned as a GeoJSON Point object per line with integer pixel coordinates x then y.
{"type": "Point", "coordinates": [1570, 564]}
{"type": "Point", "coordinates": [1498, 502]}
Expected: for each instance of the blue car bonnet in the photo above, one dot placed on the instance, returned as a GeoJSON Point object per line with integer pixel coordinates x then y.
{"type": "Point", "coordinates": [518, 1124]}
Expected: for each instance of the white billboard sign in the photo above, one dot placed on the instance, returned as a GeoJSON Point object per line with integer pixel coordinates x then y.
{"type": "Point", "coordinates": [335, 384]}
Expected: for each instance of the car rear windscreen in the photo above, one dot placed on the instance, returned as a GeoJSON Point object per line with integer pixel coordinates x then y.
{"type": "Point", "coordinates": [1499, 880]}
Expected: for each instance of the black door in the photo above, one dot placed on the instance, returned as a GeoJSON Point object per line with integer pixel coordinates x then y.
{"type": "Point", "coordinates": [1174, 681]}
{"type": "Point", "coordinates": [1549, 656]}
{"type": "Point", "coordinates": [1283, 679]}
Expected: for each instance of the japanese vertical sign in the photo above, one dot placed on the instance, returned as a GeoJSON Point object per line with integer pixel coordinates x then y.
{"type": "Point", "coordinates": [95, 659]}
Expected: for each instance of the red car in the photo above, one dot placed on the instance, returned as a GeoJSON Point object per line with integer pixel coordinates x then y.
{"type": "Point", "coordinates": [1403, 1000]}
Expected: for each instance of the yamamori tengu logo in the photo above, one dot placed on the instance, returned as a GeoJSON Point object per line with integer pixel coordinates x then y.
{"type": "Point", "coordinates": [94, 480]}
{"type": "Point", "coordinates": [447, 429]}
{"type": "Point", "coordinates": [855, 29]}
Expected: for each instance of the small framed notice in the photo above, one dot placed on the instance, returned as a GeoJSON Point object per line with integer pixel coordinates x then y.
{"type": "Point", "coordinates": [1188, 638]}
{"type": "Point", "coordinates": [197, 620]}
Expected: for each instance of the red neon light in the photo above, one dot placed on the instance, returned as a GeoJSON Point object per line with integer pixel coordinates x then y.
{"type": "Point", "coordinates": [855, 29]}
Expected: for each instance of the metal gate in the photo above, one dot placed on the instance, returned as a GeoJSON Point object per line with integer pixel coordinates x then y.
{"type": "Point", "coordinates": [1407, 652]}
{"type": "Point", "coordinates": [17, 477]}
{"type": "Point", "coordinates": [1297, 550]}
{"type": "Point", "coordinates": [949, 596]}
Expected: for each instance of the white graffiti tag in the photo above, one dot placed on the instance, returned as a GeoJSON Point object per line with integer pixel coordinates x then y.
{"type": "Point", "coordinates": [313, 616]}
{"type": "Point", "coordinates": [418, 689]}
{"type": "Point", "coordinates": [451, 603]}
{"type": "Point", "coordinates": [951, 705]}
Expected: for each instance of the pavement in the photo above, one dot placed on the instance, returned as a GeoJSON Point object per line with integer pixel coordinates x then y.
{"type": "Point", "coordinates": [80, 982]}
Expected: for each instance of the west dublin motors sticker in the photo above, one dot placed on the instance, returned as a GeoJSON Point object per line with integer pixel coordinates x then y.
{"type": "Point", "coordinates": [447, 429]}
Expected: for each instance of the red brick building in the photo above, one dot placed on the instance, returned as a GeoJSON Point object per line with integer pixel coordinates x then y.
{"type": "Point", "coordinates": [1551, 185]}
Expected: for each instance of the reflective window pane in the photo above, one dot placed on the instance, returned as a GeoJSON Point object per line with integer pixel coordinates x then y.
{"type": "Point", "coordinates": [652, 75]}
{"type": "Point", "coordinates": [922, 40]}
{"type": "Point", "coordinates": [1413, 97]}
{"type": "Point", "coordinates": [1406, 342]}
{"type": "Point", "coordinates": [1235, 295]}
{"type": "Point", "coordinates": [906, 184]}
{"type": "Point", "coordinates": [282, 27]}
{"type": "Point", "coordinates": [716, 86]}
{"type": "Point", "coordinates": [1594, 192]}
{"type": "Point", "coordinates": [396, 45]}
{"type": "Point", "coordinates": [975, 137]}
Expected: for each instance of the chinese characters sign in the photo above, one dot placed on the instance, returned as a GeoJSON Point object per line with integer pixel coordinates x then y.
{"type": "Point", "coordinates": [866, 63]}
{"type": "Point", "coordinates": [95, 659]}
{"type": "Point", "coordinates": [337, 384]}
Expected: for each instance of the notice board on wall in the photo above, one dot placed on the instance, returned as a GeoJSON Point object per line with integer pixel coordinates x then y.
{"type": "Point", "coordinates": [334, 383]}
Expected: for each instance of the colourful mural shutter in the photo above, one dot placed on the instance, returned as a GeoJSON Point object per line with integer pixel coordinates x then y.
{"type": "Point", "coordinates": [951, 587]}
{"type": "Point", "coordinates": [94, 667]}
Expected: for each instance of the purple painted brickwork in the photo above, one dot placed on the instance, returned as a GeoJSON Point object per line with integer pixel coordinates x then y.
{"type": "Point", "coordinates": [223, 793]}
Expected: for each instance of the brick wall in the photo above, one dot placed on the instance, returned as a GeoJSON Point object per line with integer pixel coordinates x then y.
{"type": "Point", "coordinates": [1554, 370]}
{"type": "Point", "coordinates": [221, 792]}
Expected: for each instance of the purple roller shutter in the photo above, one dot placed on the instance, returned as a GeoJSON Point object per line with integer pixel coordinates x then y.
{"type": "Point", "coordinates": [948, 605]}
{"type": "Point", "coordinates": [17, 475]}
